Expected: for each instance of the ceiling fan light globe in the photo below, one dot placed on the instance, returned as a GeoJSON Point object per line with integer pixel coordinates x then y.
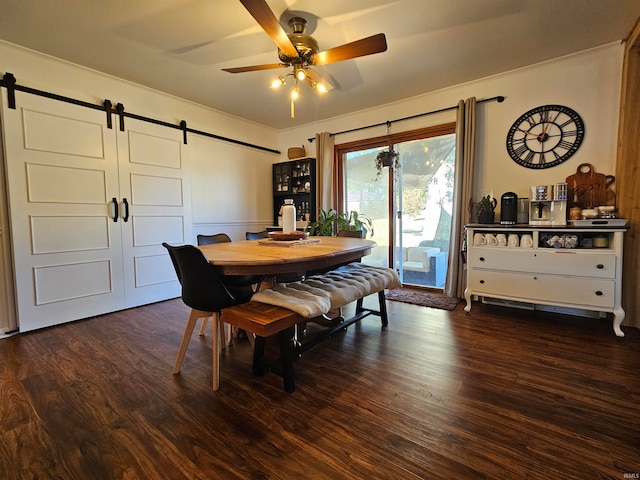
{"type": "Point", "coordinates": [278, 82]}
{"type": "Point", "coordinates": [300, 73]}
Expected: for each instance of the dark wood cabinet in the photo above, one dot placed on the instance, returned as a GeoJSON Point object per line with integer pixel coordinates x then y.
{"type": "Point", "coordinates": [295, 179]}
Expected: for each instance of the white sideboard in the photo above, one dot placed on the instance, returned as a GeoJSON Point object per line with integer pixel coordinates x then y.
{"type": "Point", "coordinates": [587, 277]}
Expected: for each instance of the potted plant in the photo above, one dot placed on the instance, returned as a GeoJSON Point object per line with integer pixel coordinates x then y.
{"type": "Point", "coordinates": [485, 209]}
{"type": "Point", "coordinates": [386, 158]}
{"type": "Point", "coordinates": [330, 222]}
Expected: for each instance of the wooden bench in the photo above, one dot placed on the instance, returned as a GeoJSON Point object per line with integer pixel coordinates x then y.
{"type": "Point", "coordinates": [264, 320]}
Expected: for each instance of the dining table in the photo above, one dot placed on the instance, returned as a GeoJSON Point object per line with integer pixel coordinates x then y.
{"type": "Point", "coordinates": [273, 258]}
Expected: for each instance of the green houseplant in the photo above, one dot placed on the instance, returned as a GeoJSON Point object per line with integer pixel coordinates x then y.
{"type": "Point", "coordinates": [330, 222]}
{"type": "Point", "coordinates": [485, 209]}
{"type": "Point", "coordinates": [386, 158]}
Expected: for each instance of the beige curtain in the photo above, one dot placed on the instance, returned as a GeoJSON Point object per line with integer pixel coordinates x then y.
{"type": "Point", "coordinates": [463, 194]}
{"type": "Point", "coordinates": [325, 193]}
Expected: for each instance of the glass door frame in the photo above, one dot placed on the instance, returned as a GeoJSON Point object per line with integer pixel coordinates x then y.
{"type": "Point", "coordinates": [340, 150]}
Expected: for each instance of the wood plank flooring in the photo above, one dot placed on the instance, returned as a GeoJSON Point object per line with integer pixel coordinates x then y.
{"type": "Point", "coordinates": [496, 394]}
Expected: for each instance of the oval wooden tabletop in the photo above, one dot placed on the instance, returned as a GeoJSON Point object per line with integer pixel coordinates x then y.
{"type": "Point", "coordinates": [251, 257]}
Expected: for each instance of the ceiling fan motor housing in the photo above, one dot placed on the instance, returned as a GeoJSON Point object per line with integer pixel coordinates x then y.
{"type": "Point", "coordinates": [305, 44]}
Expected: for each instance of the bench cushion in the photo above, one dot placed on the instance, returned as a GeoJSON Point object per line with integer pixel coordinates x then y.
{"type": "Point", "coordinates": [320, 293]}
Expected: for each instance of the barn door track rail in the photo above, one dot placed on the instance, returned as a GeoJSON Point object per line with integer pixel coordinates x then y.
{"type": "Point", "coordinates": [8, 81]}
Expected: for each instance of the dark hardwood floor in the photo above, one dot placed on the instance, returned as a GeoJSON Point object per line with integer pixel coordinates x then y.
{"type": "Point", "coordinates": [497, 394]}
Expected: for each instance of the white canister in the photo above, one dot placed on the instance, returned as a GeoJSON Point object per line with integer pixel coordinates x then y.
{"type": "Point", "coordinates": [288, 216]}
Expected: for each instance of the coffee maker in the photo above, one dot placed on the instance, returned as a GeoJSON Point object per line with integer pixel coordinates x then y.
{"type": "Point", "coordinates": [508, 208]}
{"type": "Point", "coordinates": [548, 204]}
{"type": "Point", "coordinates": [559, 204]}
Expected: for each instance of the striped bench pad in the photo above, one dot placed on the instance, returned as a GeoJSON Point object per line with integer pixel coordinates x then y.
{"type": "Point", "coordinates": [319, 294]}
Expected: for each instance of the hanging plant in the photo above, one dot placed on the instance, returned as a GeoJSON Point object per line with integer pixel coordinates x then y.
{"type": "Point", "coordinates": [386, 158]}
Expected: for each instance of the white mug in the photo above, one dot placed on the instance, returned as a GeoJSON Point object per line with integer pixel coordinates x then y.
{"type": "Point", "coordinates": [491, 239]}
{"type": "Point", "coordinates": [478, 239]}
{"type": "Point", "coordinates": [526, 241]}
{"type": "Point", "coordinates": [514, 240]}
{"type": "Point", "coordinates": [502, 239]}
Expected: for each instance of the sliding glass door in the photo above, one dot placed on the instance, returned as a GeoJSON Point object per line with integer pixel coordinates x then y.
{"type": "Point", "coordinates": [410, 206]}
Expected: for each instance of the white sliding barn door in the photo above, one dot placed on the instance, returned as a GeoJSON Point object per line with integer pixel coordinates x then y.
{"type": "Point", "coordinates": [73, 256]}
{"type": "Point", "coordinates": [62, 173]}
{"type": "Point", "coordinates": [154, 182]}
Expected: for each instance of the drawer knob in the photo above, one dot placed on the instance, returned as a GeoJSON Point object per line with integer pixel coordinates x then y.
{"type": "Point", "coordinates": [482, 259]}
{"type": "Point", "coordinates": [482, 282]}
{"type": "Point", "coordinates": [600, 266]}
{"type": "Point", "coordinates": [598, 293]}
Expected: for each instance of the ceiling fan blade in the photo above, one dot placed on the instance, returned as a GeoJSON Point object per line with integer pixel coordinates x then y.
{"type": "Point", "coordinates": [359, 48]}
{"type": "Point", "coordinates": [254, 68]}
{"type": "Point", "coordinates": [269, 23]}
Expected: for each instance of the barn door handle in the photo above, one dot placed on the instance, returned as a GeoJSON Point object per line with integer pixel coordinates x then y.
{"type": "Point", "coordinates": [126, 209]}
{"type": "Point", "coordinates": [115, 207]}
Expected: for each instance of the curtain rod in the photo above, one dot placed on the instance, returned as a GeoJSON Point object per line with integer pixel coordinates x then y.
{"type": "Point", "coordinates": [388, 123]}
{"type": "Point", "coordinates": [9, 82]}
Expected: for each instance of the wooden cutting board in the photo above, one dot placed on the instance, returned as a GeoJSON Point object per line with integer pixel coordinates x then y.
{"type": "Point", "coordinates": [587, 188]}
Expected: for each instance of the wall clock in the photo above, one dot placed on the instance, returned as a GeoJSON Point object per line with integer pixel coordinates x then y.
{"type": "Point", "coordinates": [545, 136]}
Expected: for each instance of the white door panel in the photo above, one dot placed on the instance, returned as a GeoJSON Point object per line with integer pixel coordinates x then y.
{"type": "Point", "coordinates": [57, 233]}
{"type": "Point", "coordinates": [73, 136]}
{"type": "Point", "coordinates": [61, 170]}
{"type": "Point", "coordinates": [67, 176]}
{"type": "Point", "coordinates": [154, 180]}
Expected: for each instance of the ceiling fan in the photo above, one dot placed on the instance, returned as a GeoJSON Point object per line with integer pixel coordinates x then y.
{"type": "Point", "coordinates": [301, 51]}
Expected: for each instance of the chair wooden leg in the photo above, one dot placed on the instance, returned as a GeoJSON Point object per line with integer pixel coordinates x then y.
{"type": "Point", "coordinates": [225, 335]}
{"type": "Point", "coordinates": [191, 323]}
{"type": "Point", "coordinates": [203, 326]}
{"type": "Point", "coordinates": [216, 351]}
{"type": "Point", "coordinates": [220, 325]}
{"type": "Point", "coordinates": [229, 332]}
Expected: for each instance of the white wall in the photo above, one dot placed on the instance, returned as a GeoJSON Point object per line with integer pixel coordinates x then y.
{"type": "Point", "coordinates": [588, 82]}
{"type": "Point", "coordinates": [229, 182]}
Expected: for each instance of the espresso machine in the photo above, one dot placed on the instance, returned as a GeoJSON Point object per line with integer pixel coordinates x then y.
{"type": "Point", "coordinates": [548, 204]}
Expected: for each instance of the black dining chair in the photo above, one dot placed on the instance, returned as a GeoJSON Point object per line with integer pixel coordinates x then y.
{"type": "Point", "coordinates": [256, 235]}
{"type": "Point", "coordinates": [238, 280]}
{"type": "Point", "coordinates": [204, 291]}
{"type": "Point", "coordinates": [230, 279]}
{"type": "Point", "coordinates": [211, 239]}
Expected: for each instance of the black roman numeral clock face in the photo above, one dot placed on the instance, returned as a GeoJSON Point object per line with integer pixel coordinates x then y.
{"type": "Point", "coordinates": [545, 136]}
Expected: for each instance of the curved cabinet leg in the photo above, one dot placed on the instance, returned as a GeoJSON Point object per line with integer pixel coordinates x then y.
{"type": "Point", "coordinates": [467, 297]}
{"type": "Point", "coordinates": [618, 317]}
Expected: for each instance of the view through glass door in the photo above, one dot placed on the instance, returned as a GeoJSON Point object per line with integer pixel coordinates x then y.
{"type": "Point", "coordinates": [410, 207]}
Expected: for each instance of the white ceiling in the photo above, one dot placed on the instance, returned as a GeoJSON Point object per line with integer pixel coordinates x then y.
{"type": "Point", "coordinates": [180, 46]}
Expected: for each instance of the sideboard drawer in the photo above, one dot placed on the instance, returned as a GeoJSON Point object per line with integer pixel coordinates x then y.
{"type": "Point", "coordinates": [588, 263]}
{"type": "Point", "coordinates": [557, 289]}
